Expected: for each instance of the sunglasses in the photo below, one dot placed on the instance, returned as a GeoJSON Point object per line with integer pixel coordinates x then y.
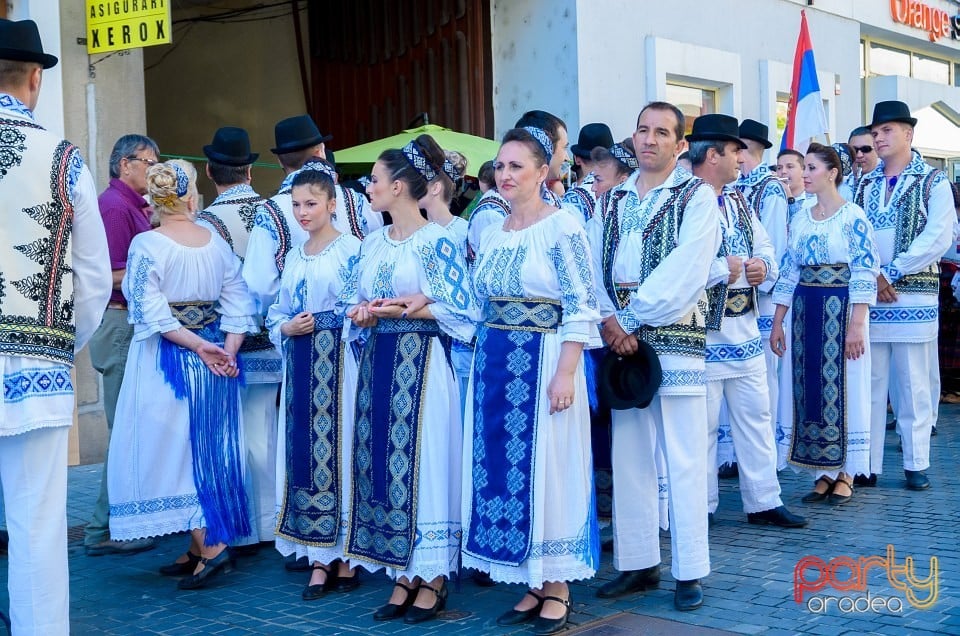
{"type": "Point", "coordinates": [864, 149]}
{"type": "Point", "coordinates": [147, 162]}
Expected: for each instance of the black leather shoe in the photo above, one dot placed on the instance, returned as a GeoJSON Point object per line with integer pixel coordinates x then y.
{"type": "Point", "coordinates": [916, 480]}
{"type": "Point", "coordinates": [391, 611]}
{"type": "Point", "coordinates": [319, 590]}
{"type": "Point", "coordinates": [181, 569]}
{"type": "Point", "coordinates": [813, 496]}
{"type": "Point", "coordinates": [297, 565]}
{"type": "Point", "coordinates": [864, 480]}
{"type": "Point", "coordinates": [546, 626]}
{"type": "Point", "coordinates": [223, 562]}
{"type": "Point", "coordinates": [630, 582]}
{"type": "Point", "coordinates": [836, 498]}
{"type": "Point", "coordinates": [778, 516]}
{"type": "Point", "coordinates": [689, 595]}
{"type": "Point", "coordinates": [422, 614]}
{"type": "Point", "coordinates": [515, 617]}
{"type": "Point", "coordinates": [728, 471]}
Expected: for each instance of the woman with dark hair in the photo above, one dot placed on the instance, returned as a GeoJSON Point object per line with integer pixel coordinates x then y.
{"type": "Point", "coordinates": [527, 498]}
{"type": "Point", "coordinates": [829, 276]}
{"type": "Point", "coordinates": [493, 207]}
{"type": "Point", "coordinates": [411, 295]}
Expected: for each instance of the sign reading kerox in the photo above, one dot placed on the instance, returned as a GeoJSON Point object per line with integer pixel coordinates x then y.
{"type": "Point", "coordinates": [115, 25]}
{"type": "Point", "coordinates": [936, 22]}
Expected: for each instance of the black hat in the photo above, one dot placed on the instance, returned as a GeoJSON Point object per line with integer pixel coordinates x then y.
{"type": "Point", "coordinates": [591, 136]}
{"type": "Point", "coordinates": [630, 382]}
{"type": "Point", "coordinates": [892, 111]}
{"type": "Point", "coordinates": [20, 42]}
{"type": "Point", "coordinates": [231, 147]}
{"type": "Point", "coordinates": [755, 131]}
{"type": "Point", "coordinates": [716, 128]}
{"type": "Point", "coordinates": [296, 133]}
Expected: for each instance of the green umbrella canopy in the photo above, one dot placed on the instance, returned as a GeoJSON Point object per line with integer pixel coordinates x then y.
{"type": "Point", "coordinates": [477, 150]}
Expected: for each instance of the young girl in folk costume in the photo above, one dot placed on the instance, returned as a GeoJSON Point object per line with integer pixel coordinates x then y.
{"type": "Point", "coordinates": [175, 460]}
{"type": "Point", "coordinates": [320, 376]}
{"type": "Point", "coordinates": [412, 296]}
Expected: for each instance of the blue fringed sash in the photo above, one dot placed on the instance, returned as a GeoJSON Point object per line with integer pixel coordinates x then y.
{"type": "Point", "coordinates": [310, 512]}
{"type": "Point", "coordinates": [386, 451]}
{"type": "Point", "coordinates": [506, 378]}
{"type": "Point", "coordinates": [214, 404]}
{"type": "Point", "coordinates": [819, 370]}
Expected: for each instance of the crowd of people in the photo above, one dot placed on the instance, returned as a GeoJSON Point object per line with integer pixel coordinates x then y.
{"type": "Point", "coordinates": [370, 382]}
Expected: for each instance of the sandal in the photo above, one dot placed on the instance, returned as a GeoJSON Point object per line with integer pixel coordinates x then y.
{"type": "Point", "coordinates": [837, 499]}
{"type": "Point", "coordinates": [815, 495]}
{"type": "Point", "coordinates": [319, 590]}
{"type": "Point", "coordinates": [515, 616]}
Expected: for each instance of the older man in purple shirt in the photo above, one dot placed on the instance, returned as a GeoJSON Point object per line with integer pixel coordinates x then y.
{"type": "Point", "coordinates": [125, 214]}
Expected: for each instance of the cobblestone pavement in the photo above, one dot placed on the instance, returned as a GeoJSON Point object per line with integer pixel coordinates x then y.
{"type": "Point", "coordinates": [750, 591]}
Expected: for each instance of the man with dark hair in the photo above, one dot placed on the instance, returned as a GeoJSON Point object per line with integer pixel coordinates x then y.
{"type": "Point", "coordinates": [768, 200]}
{"type": "Point", "coordinates": [735, 366]}
{"type": "Point", "coordinates": [125, 214]}
{"type": "Point", "coordinates": [55, 285]}
{"type": "Point", "coordinates": [580, 199]}
{"type": "Point", "coordinates": [790, 174]}
{"type": "Point", "coordinates": [232, 215]}
{"type": "Point", "coordinates": [653, 247]}
{"type": "Point", "coordinates": [910, 206]}
{"type": "Point", "coordinates": [865, 159]}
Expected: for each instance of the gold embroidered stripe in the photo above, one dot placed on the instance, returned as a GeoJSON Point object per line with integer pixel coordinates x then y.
{"type": "Point", "coordinates": [523, 314]}
{"type": "Point", "coordinates": [825, 275]}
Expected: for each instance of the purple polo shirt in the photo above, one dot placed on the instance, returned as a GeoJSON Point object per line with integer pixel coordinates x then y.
{"type": "Point", "coordinates": [125, 214]}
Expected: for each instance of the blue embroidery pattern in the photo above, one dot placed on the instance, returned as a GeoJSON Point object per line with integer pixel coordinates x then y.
{"type": "Point", "coordinates": [383, 282]}
{"type": "Point", "coordinates": [683, 377]}
{"type": "Point", "coordinates": [489, 278]}
{"type": "Point", "coordinates": [11, 103]}
{"type": "Point", "coordinates": [732, 352]}
{"type": "Point", "coordinates": [447, 278]}
{"type": "Point", "coordinates": [154, 506]}
{"type": "Point", "coordinates": [859, 244]}
{"type": "Point", "coordinates": [140, 277]}
{"type": "Point", "coordinates": [29, 383]}
{"type": "Point", "coordinates": [904, 314]}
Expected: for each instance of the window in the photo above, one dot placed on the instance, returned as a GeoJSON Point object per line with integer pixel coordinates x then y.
{"type": "Point", "coordinates": [783, 105]}
{"type": "Point", "coordinates": [888, 61]}
{"type": "Point", "coordinates": [880, 59]}
{"type": "Point", "coordinates": [692, 101]}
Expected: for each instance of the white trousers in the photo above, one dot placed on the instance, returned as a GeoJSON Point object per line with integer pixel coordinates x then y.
{"type": "Point", "coordinates": [260, 436]}
{"type": "Point", "coordinates": [678, 424]}
{"type": "Point", "coordinates": [748, 411]}
{"type": "Point", "coordinates": [33, 473]}
{"type": "Point", "coordinates": [901, 369]}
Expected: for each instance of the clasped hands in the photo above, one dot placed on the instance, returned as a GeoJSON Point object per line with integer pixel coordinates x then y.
{"type": "Point", "coordinates": [754, 268]}
{"type": "Point", "coordinates": [218, 360]}
{"type": "Point", "coordinates": [367, 313]}
{"type": "Point", "coordinates": [619, 341]}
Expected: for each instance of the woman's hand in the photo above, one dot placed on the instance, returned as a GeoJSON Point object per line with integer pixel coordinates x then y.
{"type": "Point", "coordinates": [560, 391]}
{"type": "Point", "coordinates": [299, 325]}
{"type": "Point", "coordinates": [855, 344]}
{"type": "Point", "coordinates": [361, 316]}
{"type": "Point", "coordinates": [778, 341]}
{"type": "Point", "coordinates": [217, 360]}
{"type": "Point", "coordinates": [386, 308]}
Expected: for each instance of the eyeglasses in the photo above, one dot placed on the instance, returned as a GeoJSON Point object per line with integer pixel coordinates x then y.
{"type": "Point", "coordinates": [864, 149]}
{"type": "Point", "coordinates": [146, 162]}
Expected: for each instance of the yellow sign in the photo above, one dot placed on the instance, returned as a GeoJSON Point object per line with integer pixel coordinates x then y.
{"type": "Point", "coordinates": [115, 25]}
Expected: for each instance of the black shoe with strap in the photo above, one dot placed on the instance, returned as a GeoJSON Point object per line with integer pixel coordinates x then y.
{"type": "Point", "coordinates": [545, 626]}
{"type": "Point", "coordinates": [391, 611]}
{"type": "Point", "coordinates": [515, 616]}
{"type": "Point", "coordinates": [813, 496]}
{"type": "Point", "coordinates": [181, 569]}
{"type": "Point", "coordinates": [319, 590]}
{"type": "Point", "coordinates": [422, 614]}
{"type": "Point", "coordinates": [631, 581]}
{"type": "Point", "coordinates": [222, 563]}
{"type": "Point", "coordinates": [836, 498]}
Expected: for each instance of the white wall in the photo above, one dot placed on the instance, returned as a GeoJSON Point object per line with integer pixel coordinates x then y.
{"type": "Point", "coordinates": [46, 13]}
{"type": "Point", "coordinates": [535, 60]}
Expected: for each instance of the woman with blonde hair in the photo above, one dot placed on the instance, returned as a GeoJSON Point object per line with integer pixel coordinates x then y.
{"type": "Point", "coordinates": [175, 461]}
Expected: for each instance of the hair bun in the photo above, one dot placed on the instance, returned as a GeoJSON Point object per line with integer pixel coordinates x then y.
{"type": "Point", "coordinates": [162, 183]}
{"type": "Point", "coordinates": [455, 165]}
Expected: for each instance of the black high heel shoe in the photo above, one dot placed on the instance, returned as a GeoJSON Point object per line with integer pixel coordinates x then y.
{"type": "Point", "coordinates": [313, 592]}
{"type": "Point", "coordinates": [515, 616]}
{"type": "Point", "coordinates": [391, 611]}
{"type": "Point", "coordinates": [546, 626]}
{"type": "Point", "coordinates": [223, 562]}
{"type": "Point", "coordinates": [181, 569]}
{"type": "Point", "coordinates": [420, 614]}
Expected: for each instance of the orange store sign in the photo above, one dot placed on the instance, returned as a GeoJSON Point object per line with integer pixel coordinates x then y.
{"type": "Point", "coordinates": [936, 22]}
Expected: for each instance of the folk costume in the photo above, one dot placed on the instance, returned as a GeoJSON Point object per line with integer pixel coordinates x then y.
{"type": "Point", "coordinates": [829, 265]}
{"type": "Point", "coordinates": [913, 217]}
{"type": "Point", "coordinates": [461, 353]}
{"type": "Point", "coordinates": [767, 199]}
{"type": "Point", "coordinates": [492, 210]}
{"type": "Point", "coordinates": [56, 284]}
{"type": "Point", "coordinates": [528, 509]}
{"type": "Point", "coordinates": [581, 200]}
{"type": "Point", "coordinates": [319, 390]}
{"type": "Point", "coordinates": [232, 215]}
{"type": "Point", "coordinates": [735, 368]}
{"type": "Point", "coordinates": [176, 454]}
{"type": "Point", "coordinates": [653, 255]}
{"type": "Point", "coordinates": [405, 506]}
